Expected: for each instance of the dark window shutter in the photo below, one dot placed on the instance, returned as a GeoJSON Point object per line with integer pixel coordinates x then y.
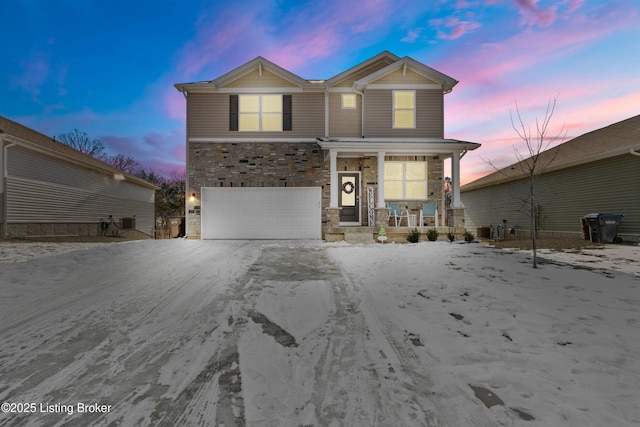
{"type": "Point", "coordinates": [286, 113]}
{"type": "Point", "coordinates": [233, 112]}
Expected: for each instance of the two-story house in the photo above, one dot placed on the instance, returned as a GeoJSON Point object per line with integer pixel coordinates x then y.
{"type": "Point", "coordinates": [273, 155]}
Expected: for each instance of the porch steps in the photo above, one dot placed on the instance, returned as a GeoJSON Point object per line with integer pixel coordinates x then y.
{"type": "Point", "coordinates": [355, 237]}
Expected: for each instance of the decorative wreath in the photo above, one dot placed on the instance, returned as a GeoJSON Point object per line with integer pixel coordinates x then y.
{"type": "Point", "coordinates": [348, 187]}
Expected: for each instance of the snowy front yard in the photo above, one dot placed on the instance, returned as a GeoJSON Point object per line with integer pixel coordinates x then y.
{"type": "Point", "coordinates": [182, 332]}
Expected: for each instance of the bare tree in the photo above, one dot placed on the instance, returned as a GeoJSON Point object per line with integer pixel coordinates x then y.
{"type": "Point", "coordinates": [122, 162]}
{"type": "Point", "coordinates": [532, 162]}
{"type": "Point", "coordinates": [95, 148]}
{"type": "Point", "coordinates": [81, 142]}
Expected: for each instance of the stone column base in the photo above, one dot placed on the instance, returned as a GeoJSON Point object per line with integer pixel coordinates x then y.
{"type": "Point", "coordinates": [333, 217]}
{"type": "Point", "coordinates": [455, 217]}
{"type": "Point", "coordinates": [382, 217]}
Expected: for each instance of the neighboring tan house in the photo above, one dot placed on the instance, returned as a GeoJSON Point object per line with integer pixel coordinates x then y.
{"type": "Point", "coordinates": [598, 172]}
{"type": "Point", "coordinates": [50, 189]}
{"type": "Point", "coordinates": [273, 155]}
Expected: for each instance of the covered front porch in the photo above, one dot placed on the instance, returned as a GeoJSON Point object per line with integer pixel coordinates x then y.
{"type": "Point", "coordinates": [370, 175]}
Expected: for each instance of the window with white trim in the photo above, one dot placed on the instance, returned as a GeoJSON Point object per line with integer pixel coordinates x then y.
{"type": "Point", "coordinates": [405, 180]}
{"type": "Point", "coordinates": [404, 109]}
{"type": "Point", "coordinates": [348, 101]}
{"type": "Point", "coordinates": [260, 113]}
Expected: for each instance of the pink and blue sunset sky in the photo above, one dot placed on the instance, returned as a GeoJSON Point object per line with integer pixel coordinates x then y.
{"type": "Point", "coordinates": [108, 67]}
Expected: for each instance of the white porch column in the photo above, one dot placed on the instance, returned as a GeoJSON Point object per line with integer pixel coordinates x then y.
{"type": "Point", "coordinates": [380, 203]}
{"type": "Point", "coordinates": [455, 181]}
{"type": "Point", "coordinates": [333, 178]}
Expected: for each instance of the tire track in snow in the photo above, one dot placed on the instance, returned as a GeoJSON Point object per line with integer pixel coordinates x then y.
{"type": "Point", "coordinates": [403, 388]}
{"type": "Point", "coordinates": [115, 351]}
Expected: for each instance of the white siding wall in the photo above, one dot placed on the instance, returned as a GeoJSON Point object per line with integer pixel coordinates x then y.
{"type": "Point", "coordinates": [42, 189]}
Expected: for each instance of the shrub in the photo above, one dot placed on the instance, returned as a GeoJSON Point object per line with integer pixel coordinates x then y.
{"type": "Point", "coordinates": [468, 236]}
{"type": "Point", "coordinates": [432, 234]}
{"type": "Point", "coordinates": [413, 236]}
{"type": "Point", "coordinates": [451, 236]}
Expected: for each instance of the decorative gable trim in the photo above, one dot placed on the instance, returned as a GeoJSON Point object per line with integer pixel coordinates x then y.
{"type": "Point", "coordinates": [444, 82]}
{"type": "Point", "coordinates": [385, 55]}
{"type": "Point", "coordinates": [259, 65]}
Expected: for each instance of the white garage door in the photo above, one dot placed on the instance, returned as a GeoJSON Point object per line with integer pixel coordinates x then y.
{"type": "Point", "coordinates": [261, 213]}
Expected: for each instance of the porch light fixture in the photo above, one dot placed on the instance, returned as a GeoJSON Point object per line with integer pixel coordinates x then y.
{"type": "Point", "coordinates": [193, 197]}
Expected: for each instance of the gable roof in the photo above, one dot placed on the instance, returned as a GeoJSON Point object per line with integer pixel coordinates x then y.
{"type": "Point", "coordinates": [259, 63]}
{"type": "Point", "coordinates": [385, 56]}
{"type": "Point", "coordinates": [11, 131]}
{"type": "Point", "coordinates": [610, 141]}
{"type": "Point", "coordinates": [383, 63]}
{"type": "Point", "coordinates": [445, 81]}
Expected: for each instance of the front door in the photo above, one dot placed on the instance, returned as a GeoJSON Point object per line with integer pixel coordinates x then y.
{"type": "Point", "coordinates": [349, 198]}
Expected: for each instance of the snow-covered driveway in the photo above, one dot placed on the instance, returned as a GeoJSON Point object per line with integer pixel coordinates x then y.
{"type": "Point", "coordinates": [183, 332]}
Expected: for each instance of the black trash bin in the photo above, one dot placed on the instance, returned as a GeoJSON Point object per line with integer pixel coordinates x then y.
{"type": "Point", "coordinates": [601, 228]}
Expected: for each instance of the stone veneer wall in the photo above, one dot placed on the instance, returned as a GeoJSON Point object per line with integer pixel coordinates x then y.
{"type": "Point", "coordinates": [287, 164]}
{"type": "Point", "coordinates": [248, 164]}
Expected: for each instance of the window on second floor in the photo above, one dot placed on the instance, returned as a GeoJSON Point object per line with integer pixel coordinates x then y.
{"type": "Point", "coordinates": [404, 109]}
{"type": "Point", "coordinates": [348, 101]}
{"type": "Point", "coordinates": [405, 180]}
{"type": "Point", "coordinates": [260, 112]}
{"type": "Point", "coordinates": [253, 113]}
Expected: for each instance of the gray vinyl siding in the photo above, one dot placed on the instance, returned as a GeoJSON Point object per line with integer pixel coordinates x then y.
{"type": "Point", "coordinates": [429, 115]}
{"type": "Point", "coordinates": [344, 122]}
{"type": "Point", "coordinates": [208, 117]}
{"type": "Point", "coordinates": [44, 189]}
{"type": "Point", "coordinates": [606, 186]}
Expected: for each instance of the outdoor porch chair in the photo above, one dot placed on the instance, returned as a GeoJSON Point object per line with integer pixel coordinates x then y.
{"type": "Point", "coordinates": [397, 214]}
{"type": "Point", "coordinates": [429, 210]}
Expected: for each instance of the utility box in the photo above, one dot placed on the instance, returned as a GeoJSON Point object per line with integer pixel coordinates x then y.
{"type": "Point", "coordinates": [128, 223]}
{"type": "Point", "coordinates": [483, 232]}
{"type": "Point", "coordinates": [601, 228]}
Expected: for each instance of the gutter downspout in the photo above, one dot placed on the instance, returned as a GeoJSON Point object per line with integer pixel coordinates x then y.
{"type": "Point", "coordinates": [353, 87]}
{"type": "Point", "coordinates": [5, 175]}
{"type": "Point", "coordinates": [326, 111]}
{"type": "Point", "coordinates": [634, 152]}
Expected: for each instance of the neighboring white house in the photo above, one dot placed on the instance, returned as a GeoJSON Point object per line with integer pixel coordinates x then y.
{"type": "Point", "coordinates": [50, 189]}
{"type": "Point", "coordinates": [598, 172]}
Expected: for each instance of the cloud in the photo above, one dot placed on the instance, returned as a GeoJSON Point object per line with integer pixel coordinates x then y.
{"type": "Point", "coordinates": [453, 28]}
{"type": "Point", "coordinates": [573, 5]}
{"type": "Point", "coordinates": [531, 14]}
{"type": "Point", "coordinates": [496, 64]}
{"type": "Point", "coordinates": [297, 38]}
{"type": "Point", "coordinates": [164, 153]}
{"type": "Point", "coordinates": [412, 36]}
{"type": "Point", "coordinates": [35, 72]}
{"type": "Point", "coordinates": [175, 104]}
